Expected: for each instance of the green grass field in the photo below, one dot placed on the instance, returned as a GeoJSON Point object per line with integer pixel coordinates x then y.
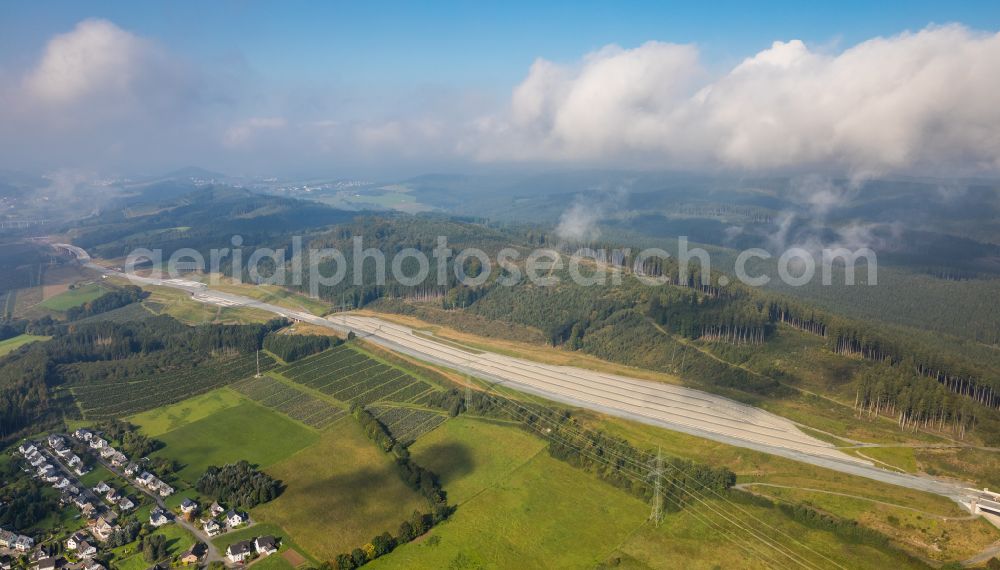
{"type": "Point", "coordinates": [245, 431]}
{"type": "Point", "coordinates": [471, 455]}
{"type": "Point", "coordinates": [74, 297]}
{"type": "Point", "coordinates": [12, 344]}
{"type": "Point", "coordinates": [128, 558]}
{"type": "Point", "coordinates": [161, 420]}
{"type": "Point", "coordinates": [339, 493]}
{"type": "Point", "coordinates": [546, 514]}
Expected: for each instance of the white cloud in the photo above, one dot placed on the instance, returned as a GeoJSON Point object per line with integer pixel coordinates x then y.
{"type": "Point", "coordinates": [916, 100]}
{"type": "Point", "coordinates": [245, 131]}
{"type": "Point", "coordinates": [99, 65]}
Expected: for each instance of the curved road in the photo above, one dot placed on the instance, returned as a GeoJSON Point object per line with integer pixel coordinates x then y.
{"type": "Point", "coordinates": [671, 407]}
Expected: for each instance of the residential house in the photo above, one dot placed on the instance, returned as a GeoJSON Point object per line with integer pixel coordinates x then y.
{"type": "Point", "coordinates": [98, 443]}
{"type": "Point", "coordinates": [81, 470]}
{"type": "Point", "coordinates": [234, 519]}
{"type": "Point", "coordinates": [165, 490]}
{"type": "Point", "coordinates": [239, 551]}
{"type": "Point", "coordinates": [64, 452]}
{"type": "Point", "coordinates": [86, 550]}
{"type": "Point", "coordinates": [103, 529]}
{"type": "Point", "coordinates": [61, 483]}
{"type": "Point", "coordinates": [101, 488]}
{"type": "Point", "coordinates": [119, 459]}
{"type": "Point", "coordinates": [74, 460]}
{"type": "Point", "coordinates": [91, 565]}
{"type": "Point", "coordinates": [24, 543]}
{"type": "Point", "coordinates": [112, 496]}
{"type": "Point", "coordinates": [188, 506]}
{"type": "Point", "coordinates": [7, 538]}
{"type": "Point", "coordinates": [74, 541]}
{"type": "Point", "coordinates": [159, 517]}
{"type": "Point", "coordinates": [55, 440]}
{"type": "Point", "coordinates": [126, 504]}
{"type": "Point", "coordinates": [265, 545]}
{"type": "Point", "coordinates": [47, 563]}
{"type": "Point", "coordinates": [211, 527]}
{"type": "Point", "coordinates": [107, 452]}
{"type": "Point", "coordinates": [216, 509]}
{"type": "Point", "coordinates": [5, 563]}
{"type": "Point", "coordinates": [83, 434]}
{"type": "Point", "coordinates": [132, 469]}
{"type": "Point", "coordinates": [27, 448]}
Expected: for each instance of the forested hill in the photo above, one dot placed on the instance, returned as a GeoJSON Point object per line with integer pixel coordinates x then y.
{"type": "Point", "coordinates": [205, 218]}
{"type": "Point", "coordinates": [651, 327]}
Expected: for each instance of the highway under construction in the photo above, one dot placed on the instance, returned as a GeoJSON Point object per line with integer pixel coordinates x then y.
{"type": "Point", "coordinates": [656, 403]}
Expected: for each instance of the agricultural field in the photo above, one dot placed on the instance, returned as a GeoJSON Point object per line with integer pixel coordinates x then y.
{"type": "Point", "coordinates": [351, 376]}
{"type": "Point", "coordinates": [129, 396]}
{"type": "Point", "coordinates": [291, 401]}
{"type": "Point", "coordinates": [246, 431]}
{"type": "Point", "coordinates": [339, 493]}
{"type": "Point", "coordinates": [167, 418]}
{"type": "Point", "coordinates": [11, 344]}
{"type": "Point", "coordinates": [407, 424]}
{"type": "Point", "coordinates": [74, 297]}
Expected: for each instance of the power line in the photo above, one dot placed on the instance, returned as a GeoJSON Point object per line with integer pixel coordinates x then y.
{"type": "Point", "coordinates": [783, 550]}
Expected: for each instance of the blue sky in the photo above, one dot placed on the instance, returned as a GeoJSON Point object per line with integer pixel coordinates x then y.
{"type": "Point", "coordinates": [425, 85]}
{"type": "Point", "coordinates": [487, 44]}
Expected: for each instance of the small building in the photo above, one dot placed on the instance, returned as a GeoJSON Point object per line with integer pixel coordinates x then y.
{"type": "Point", "coordinates": [158, 517]}
{"type": "Point", "coordinates": [83, 434]}
{"type": "Point", "coordinates": [74, 460]}
{"type": "Point", "coordinates": [27, 448]}
{"type": "Point", "coordinates": [126, 504]}
{"type": "Point", "coordinates": [101, 488]}
{"type": "Point", "coordinates": [86, 550]}
{"type": "Point", "coordinates": [188, 506]}
{"type": "Point", "coordinates": [98, 443]}
{"type": "Point", "coordinates": [5, 563]}
{"type": "Point", "coordinates": [165, 490]}
{"type": "Point", "coordinates": [239, 551]}
{"type": "Point", "coordinates": [47, 563]}
{"type": "Point", "coordinates": [211, 527]}
{"type": "Point", "coordinates": [112, 495]}
{"type": "Point", "coordinates": [103, 529]}
{"type": "Point", "coordinates": [73, 542]}
{"type": "Point", "coordinates": [55, 440]}
{"type": "Point", "coordinates": [119, 459]}
{"type": "Point", "coordinates": [81, 470]}
{"type": "Point", "coordinates": [216, 509]}
{"type": "Point", "coordinates": [265, 545]}
{"type": "Point", "coordinates": [234, 519]}
{"type": "Point", "coordinates": [132, 469]}
{"type": "Point", "coordinates": [23, 543]}
{"type": "Point", "coordinates": [7, 538]}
